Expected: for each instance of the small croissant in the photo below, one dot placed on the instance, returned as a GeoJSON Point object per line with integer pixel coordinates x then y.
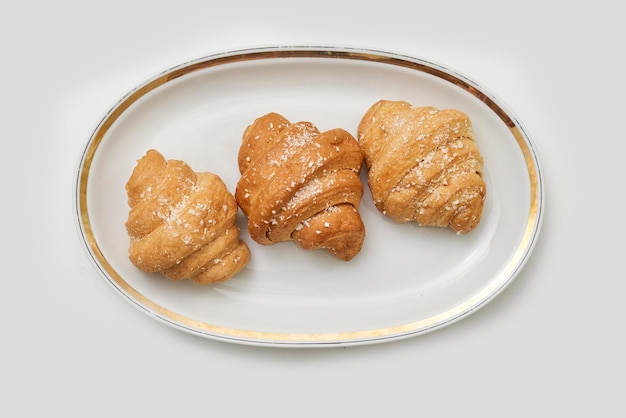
{"type": "Point", "coordinates": [182, 223]}
{"type": "Point", "coordinates": [300, 184]}
{"type": "Point", "coordinates": [424, 165]}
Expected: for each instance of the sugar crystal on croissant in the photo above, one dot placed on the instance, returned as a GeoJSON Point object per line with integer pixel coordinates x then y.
{"type": "Point", "coordinates": [424, 165]}
{"type": "Point", "coordinates": [300, 184]}
{"type": "Point", "coordinates": [182, 223]}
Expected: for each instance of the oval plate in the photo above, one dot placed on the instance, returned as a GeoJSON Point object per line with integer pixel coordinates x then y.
{"type": "Point", "coordinates": [407, 280]}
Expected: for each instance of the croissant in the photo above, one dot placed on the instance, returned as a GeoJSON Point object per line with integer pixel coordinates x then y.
{"type": "Point", "coordinates": [302, 185]}
{"type": "Point", "coordinates": [423, 165]}
{"type": "Point", "coordinates": [182, 223]}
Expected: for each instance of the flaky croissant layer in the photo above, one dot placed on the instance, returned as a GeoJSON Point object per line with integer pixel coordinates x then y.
{"type": "Point", "coordinates": [424, 165]}
{"type": "Point", "coordinates": [300, 184]}
{"type": "Point", "coordinates": [182, 223]}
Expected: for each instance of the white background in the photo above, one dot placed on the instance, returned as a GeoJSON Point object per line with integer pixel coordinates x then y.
{"type": "Point", "coordinates": [550, 345]}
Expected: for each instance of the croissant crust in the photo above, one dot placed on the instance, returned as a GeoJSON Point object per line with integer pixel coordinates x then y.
{"type": "Point", "coordinates": [424, 165]}
{"type": "Point", "coordinates": [300, 184]}
{"type": "Point", "coordinates": [182, 223]}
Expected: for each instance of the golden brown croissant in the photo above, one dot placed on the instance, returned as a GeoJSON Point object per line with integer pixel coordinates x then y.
{"type": "Point", "coordinates": [302, 185]}
{"type": "Point", "coordinates": [424, 165]}
{"type": "Point", "coordinates": [182, 223]}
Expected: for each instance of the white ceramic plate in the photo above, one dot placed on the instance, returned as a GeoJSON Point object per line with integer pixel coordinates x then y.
{"type": "Point", "coordinates": [406, 281]}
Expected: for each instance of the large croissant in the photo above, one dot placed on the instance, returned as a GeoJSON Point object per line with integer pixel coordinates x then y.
{"type": "Point", "coordinates": [182, 223]}
{"type": "Point", "coordinates": [302, 185]}
{"type": "Point", "coordinates": [424, 165]}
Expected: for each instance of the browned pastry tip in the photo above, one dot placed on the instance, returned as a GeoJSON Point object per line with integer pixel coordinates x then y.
{"type": "Point", "coordinates": [423, 165]}
{"type": "Point", "coordinates": [181, 223]}
{"type": "Point", "coordinates": [294, 176]}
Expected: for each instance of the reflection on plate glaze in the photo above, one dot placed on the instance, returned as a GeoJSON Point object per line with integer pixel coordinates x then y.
{"type": "Point", "coordinates": [205, 328]}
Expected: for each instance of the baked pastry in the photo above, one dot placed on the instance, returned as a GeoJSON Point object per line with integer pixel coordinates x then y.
{"type": "Point", "coordinates": [182, 223]}
{"type": "Point", "coordinates": [300, 184]}
{"type": "Point", "coordinates": [424, 165]}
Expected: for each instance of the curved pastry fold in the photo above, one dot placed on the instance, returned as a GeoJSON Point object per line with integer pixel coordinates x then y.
{"type": "Point", "coordinates": [182, 223]}
{"type": "Point", "coordinates": [300, 184]}
{"type": "Point", "coordinates": [424, 165]}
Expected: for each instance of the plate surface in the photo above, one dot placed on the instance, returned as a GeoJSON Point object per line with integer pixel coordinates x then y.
{"type": "Point", "coordinates": [406, 281]}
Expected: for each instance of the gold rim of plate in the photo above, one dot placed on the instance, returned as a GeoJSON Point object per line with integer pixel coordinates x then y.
{"type": "Point", "coordinates": [313, 339]}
